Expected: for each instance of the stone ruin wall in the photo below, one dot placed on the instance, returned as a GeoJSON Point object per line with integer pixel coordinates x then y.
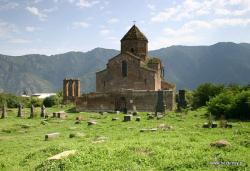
{"type": "Point", "coordinates": [71, 89]}
{"type": "Point", "coordinates": [142, 100]}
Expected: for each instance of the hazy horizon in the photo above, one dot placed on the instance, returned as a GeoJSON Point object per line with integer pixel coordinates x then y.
{"type": "Point", "coordinates": [115, 49]}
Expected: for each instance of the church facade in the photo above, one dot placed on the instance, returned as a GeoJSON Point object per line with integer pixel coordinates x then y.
{"type": "Point", "coordinates": [131, 81]}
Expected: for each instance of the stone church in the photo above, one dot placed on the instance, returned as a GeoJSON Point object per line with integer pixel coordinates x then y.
{"type": "Point", "coordinates": [131, 81]}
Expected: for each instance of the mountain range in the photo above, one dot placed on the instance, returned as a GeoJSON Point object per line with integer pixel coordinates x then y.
{"type": "Point", "coordinates": [185, 66]}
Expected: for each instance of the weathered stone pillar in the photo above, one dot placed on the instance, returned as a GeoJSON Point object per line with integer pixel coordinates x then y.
{"type": "Point", "coordinates": [20, 111]}
{"type": "Point", "coordinates": [43, 113]}
{"type": "Point", "coordinates": [4, 111]}
{"type": "Point", "coordinates": [32, 111]}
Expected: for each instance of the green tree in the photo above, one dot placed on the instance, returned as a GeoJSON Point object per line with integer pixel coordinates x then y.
{"type": "Point", "coordinates": [51, 101]}
{"type": "Point", "coordinates": [204, 92]}
{"type": "Point", "coordinates": [35, 101]}
{"type": "Point", "coordinates": [222, 104]}
{"type": "Point", "coordinates": [241, 108]}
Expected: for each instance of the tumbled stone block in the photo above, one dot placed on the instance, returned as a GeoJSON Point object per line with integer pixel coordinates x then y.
{"type": "Point", "coordinates": [51, 136]}
{"type": "Point", "coordinates": [61, 115]}
{"type": "Point", "coordinates": [62, 155]}
{"type": "Point", "coordinates": [148, 130]}
{"type": "Point", "coordinates": [220, 143]}
{"type": "Point", "coordinates": [92, 122]}
{"type": "Point", "coordinates": [115, 119]}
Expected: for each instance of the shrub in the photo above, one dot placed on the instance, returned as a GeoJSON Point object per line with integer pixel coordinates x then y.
{"type": "Point", "coordinates": [204, 92]}
{"type": "Point", "coordinates": [241, 108]}
{"type": "Point", "coordinates": [12, 101]}
{"type": "Point", "coordinates": [35, 101]}
{"type": "Point", "coordinates": [222, 104]}
{"type": "Point", "coordinates": [231, 104]}
{"type": "Point", "coordinates": [51, 101]}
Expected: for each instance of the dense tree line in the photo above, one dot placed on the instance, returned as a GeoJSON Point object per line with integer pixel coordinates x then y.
{"type": "Point", "coordinates": [13, 101]}
{"type": "Point", "coordinates": [232, 101]}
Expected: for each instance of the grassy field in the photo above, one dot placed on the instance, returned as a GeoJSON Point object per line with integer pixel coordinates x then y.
{"type": "Point", "coordinates": [117, 145]}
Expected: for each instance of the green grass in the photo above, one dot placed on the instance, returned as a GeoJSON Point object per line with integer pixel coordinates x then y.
{"type": "Point", "coordinates": [117, 145]}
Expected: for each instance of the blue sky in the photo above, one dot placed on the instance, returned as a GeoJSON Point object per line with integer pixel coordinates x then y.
{"type": "Point", "coordinates": [58, 26]}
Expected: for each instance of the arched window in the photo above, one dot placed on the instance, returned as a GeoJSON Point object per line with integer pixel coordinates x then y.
{"type": "Point", "coordinates": [124, 69]}
{"type": "Point", "coordinates": [132, 50]}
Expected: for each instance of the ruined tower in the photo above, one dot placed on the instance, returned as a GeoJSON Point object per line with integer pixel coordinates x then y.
{"type": "Point", "coordinates": [71, 89]}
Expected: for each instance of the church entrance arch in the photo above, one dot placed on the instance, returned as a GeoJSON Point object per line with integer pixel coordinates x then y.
{"type": "Point", "coordinates": [121, 104]}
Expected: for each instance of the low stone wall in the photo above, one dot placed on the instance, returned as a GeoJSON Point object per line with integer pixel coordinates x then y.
{"type": "Point", "coordinates": [127, 99]}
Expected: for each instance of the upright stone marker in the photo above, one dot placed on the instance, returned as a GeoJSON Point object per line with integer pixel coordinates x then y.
{"type": "Point", "coordinates": [4, 112]}
{"type": "Point", "coordinates": [32, 110]}
{"type": "Point", "coordinates": [20, 110]}
{"type": "Point", "coordinates": [127, 118]}
{"type": "Point", "coordinates": [43, 113]}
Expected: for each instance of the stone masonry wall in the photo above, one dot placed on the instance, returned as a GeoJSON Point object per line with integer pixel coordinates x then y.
{"type": "Point", "coordinates": [138, 78]}
{"type": "Point", "coordinates": [142, 100]}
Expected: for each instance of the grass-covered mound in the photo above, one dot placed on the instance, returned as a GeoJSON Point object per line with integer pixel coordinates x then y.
{"type": "Point", "coordinates": [117, 145]}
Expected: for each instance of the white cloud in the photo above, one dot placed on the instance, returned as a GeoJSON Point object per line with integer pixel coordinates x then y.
{"type": "Point", "coordinates": [106, 2]}
{"type": "Point", "coordinates": [195, 31]}
{"type": "Point", "coordinates": [86, 3]}
{"type": "Point", "coordinates": [37, 1]}
{"type": "Point", "coordinates": [36, 12]}
{"type": "Point", "coordinates": [104, 32]}
{"type": "Point", "coordinates": [176, 40]}
{"type": "Point", "coordinates": [49, 10]}
{"type": "Point", "coordinates": [6, 29]}
{"type": "Point", "coordinates": [31, 28]}
{"type": "Point", "coordinates": [112, 38]}
{"type": "Point", "coordinates": [112, 20]}
{"type": "Point", "coordinates": [193, 8]}
{"type": "Point", "coordinates": [9, 5]}
{"type": "Point", "coordinates": [189, 27]}
{"type": "Point", "coordinates": [151, 7]}
{"type": "Point", "coordinates": [19, 41]}
{"type": "Point", "coordinates": [81, 24]}
{"type": "Point", "coordinates": [199, 25]}
{"type": "Point", "coordinates": [222, 22]}
{"type": "Point", "coordinates": [71, 1]}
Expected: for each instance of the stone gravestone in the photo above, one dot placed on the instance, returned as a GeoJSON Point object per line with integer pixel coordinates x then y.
{"type": "Point", "coordinates": [4, 112]}
{"type": "Point", "coordinates": [127, 118]}
{"type": "Point", "coordinates": [138, 119]}
{"type": "Point", "coordinates": [32, 111]}
{"type": "Point", "coordinates": [43, 113]}
{"type": "Point", "coordinates": [20, 110]}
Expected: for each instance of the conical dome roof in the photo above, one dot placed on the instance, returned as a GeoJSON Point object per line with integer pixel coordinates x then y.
{"type": "Point", "coordinates": [134, 34]}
